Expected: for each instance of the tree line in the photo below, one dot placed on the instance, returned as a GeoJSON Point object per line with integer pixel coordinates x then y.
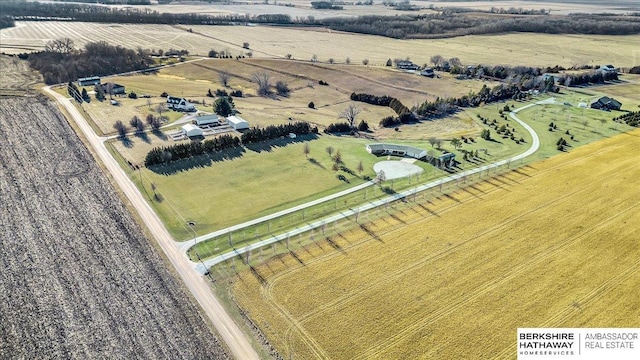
{"type": "Point", "coordinates": [167, 154]}
{"type": "Point", "coordinates": [630, 118]}
{"type": "Point", "coordinates": [591, 77]}
{"type": "Point", "coordinates": [112, 2]}
{"type": "Point", "coordinates": [384, 100]}
{"type": "Point", "coordinates": [446, 24]}
{"type": "Point", "coordinates": [35, 11]}
{"type": "Point", "coordinates": [60, 62]}
{"type": "Point", "coordinates": [255, 134]}
{"type": "Point", "coordinates": [6, 22]}
{"type": "Point", "coordinates": [443, 23]}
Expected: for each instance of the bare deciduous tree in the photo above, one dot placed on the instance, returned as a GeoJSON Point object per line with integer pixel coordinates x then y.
{"type": "Point", "coordinates": [160, 109]}
{"type": "Point", "coordinates": [262, 79]}
{"type": "Point", "coordinates": [329, 150]}
{"type": "Point", "coordinates": [306, 150]}
{"type": "Point", "coordinates": [224, 78]}
{"type": "Point", "coordinates": [437, 60]}
{"type": "Point", "coordinates": [365, 62]}
{"type": "Point", "coordinates": [454, 61]}
{"type": "Point", "coordinates": [350, 114]}
{"type": "Point", "coordinates": [62, 46]}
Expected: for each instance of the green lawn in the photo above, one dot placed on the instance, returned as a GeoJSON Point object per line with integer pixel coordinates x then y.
{"type": "Point", "coordinates": [569, 118]}
{"type": "Point", "coordinates": [217, 194]}
{"type": "Point", "coordinates": [260, 180]}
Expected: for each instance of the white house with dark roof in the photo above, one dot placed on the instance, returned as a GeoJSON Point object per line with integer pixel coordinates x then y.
{"type": "Point", "coordinates": [179, 104]}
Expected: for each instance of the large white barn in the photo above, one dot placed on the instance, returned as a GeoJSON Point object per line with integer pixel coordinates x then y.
{"type": "Point", "coordinates": [237, 123]}
{"type": "Point", "coordinates": [192, 130]}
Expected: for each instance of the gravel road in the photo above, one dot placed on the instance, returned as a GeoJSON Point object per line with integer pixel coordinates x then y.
{"type": "Point", "coordinates": [78, 279]}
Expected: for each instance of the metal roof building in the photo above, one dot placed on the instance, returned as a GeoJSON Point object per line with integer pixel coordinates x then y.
{"type": "Point", "coordinates": [192, 130]}
{"type": "Point", "coordinates": [237, 122]}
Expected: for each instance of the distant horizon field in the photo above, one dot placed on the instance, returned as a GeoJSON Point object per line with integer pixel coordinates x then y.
{"type": "Point", "coordinates": [275, 42]}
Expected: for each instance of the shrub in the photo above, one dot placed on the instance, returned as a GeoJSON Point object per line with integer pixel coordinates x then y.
{"type": "Point", "coordinates": [282, 88]}
{"type": "Point", "coordinates": [389, 121]}
{"type": "Point", "coordinates": [133, 95]}
{"type": "Point", "coordinates": [311, 105]}
{"type": "Point", "coordinates": [338, 128]}
{"type": "Point", "coordinates": [363, 126]}
{"type": "Point", "coordinates": [236, 93]}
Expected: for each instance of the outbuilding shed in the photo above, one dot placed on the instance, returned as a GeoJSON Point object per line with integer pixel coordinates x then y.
{"type": "Point", "coordinates": [203, 120]}
{"type": "Point", "coordinates": [89, 81]}
{"type": "Point", "coordinates": [191, 130]}
{"type": "Point", "coordinates": [237, 123]}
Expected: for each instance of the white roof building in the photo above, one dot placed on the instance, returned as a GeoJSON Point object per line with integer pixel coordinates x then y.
{"type": "Point", "coordinates": [192, 130]}
{"type": "Point", "coordinates": [211, 119]}
{"type": "Point", "coordinates": [237, 122]}
{"type": "Point", "coordinates": [397, 150]}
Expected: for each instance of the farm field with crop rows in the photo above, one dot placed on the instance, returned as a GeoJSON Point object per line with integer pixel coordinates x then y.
{"type": "Point", "coordinates": [552, 244]}
{"type": "Point", "coordinates": [79, 279]}
{"type": "Point", "coordinates": [269, 41]}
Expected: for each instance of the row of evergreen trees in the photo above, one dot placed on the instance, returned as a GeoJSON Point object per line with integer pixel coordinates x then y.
{"type": "Point", "coordinates": [341, 127]}
{"type": "Point", "coordinates": [167, 154]}
{"type": "Point", "coordinates": [384, 100]}
{"type": "Point", "coordinates": [630, 118]}
{"type": "Point", "coordinates": [591, 77]}
{"type": "Point", "coordinates": [255, 134]}
{"type": "Point", "coordinates": [443, 106]}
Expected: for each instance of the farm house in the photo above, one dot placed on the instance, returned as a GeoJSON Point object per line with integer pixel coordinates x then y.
{"type": "Point", "coordinates": [179, 104]}
{"type": "Point", "coordinates": [606, 103]}
{"type": "Point", "coordinates": [191, 130]}
{"type": "Point", "coordinates": [397, 150]}
{"type": "Point", "coordinates": [238, 123]}
{"type": "Point", "coordinates": [112, 88]}
{"type": "Point", "coordinates": [204, 120]}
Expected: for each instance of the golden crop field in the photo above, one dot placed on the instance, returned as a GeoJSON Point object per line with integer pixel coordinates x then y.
{"type": "Point", "coordinates": [553, 244]}
{"type": "Point", "coordinates": [303, 43]}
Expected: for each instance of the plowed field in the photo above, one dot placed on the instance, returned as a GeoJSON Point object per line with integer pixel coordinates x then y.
{"type": "Point", "coordinates": [554, 244]}
{"type": "Point", "coordinates": [78, 279]}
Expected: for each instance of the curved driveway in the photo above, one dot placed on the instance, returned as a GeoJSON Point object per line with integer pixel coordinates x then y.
{"type": "Point", "coordinates": [535, 145]}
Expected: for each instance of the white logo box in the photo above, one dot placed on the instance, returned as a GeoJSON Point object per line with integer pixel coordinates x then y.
{"type": "Point", "coordinates": [578, 343]}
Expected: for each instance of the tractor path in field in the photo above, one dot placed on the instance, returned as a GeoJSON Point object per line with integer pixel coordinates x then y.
{"type": "Point", "coordinates": [355, 212]}
{"type": "Point", "coordinates": [195, 282]}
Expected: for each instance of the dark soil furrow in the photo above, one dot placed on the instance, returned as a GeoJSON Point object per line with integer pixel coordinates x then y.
{"type": "Point", "coordinates": [78, 279]}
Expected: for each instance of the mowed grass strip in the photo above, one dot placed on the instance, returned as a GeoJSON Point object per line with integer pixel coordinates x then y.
{"type": "Point", "coordinates": [548, 247]}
